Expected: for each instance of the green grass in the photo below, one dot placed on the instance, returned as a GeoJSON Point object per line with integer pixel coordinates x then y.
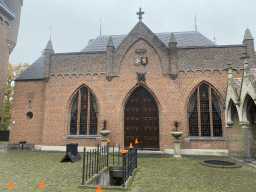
{"type": "Point", "coordinates": [4, 142]}
{"type": "Point", "coordinates": [26, 170]}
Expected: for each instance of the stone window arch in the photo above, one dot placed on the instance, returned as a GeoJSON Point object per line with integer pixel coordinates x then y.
{"type": "Point", "coordinates": [204, 112]}
{"type": "Point", "coordinates": [83, 113]}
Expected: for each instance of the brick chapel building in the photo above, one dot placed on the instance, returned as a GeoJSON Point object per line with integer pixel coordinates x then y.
{"type": "Point", "coordinates": [9, 26]}
{"type": "Point", "coordinates": [140, 83]}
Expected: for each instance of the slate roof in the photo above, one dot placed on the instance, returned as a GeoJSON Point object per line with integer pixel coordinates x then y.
{"type": "Point", "coordinates": [34, 71]}
{"type": "Point", "coordinates": [6, 9]}
{"type": "Point", "coordinates": [184, 39]}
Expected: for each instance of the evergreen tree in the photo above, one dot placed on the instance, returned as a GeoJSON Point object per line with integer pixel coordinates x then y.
{"type": "Point", "coordinates": [13, 72]}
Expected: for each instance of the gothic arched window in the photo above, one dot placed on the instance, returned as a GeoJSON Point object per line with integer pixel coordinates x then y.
{"type": "Point", "coordinates": [204, 113]}
{"type": "Point", "coordinates": [83, 113]}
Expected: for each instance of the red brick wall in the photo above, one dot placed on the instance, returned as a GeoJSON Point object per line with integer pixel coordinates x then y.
{"type": "Point", "coordinates": [171, 96]}
{"type": "Point", "coordinates": [24, 129]}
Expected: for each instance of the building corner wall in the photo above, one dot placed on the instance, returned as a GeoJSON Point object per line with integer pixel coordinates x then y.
{"type": "Point", "coordinates": [28, 97]}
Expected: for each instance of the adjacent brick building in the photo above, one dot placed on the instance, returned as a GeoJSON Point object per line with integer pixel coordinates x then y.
{"type": "Point", "coordinates": [140, 83]}
{"type": "Point", "coordinates": [9, 26]}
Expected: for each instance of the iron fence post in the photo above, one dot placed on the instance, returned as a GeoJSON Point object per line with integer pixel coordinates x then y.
{"type": "Point", "coordinates": [123, 170]}
{"type": "Point", "coordinates": [129, 161]}
{"type": "Point", "coordinates": [136, 155]}
{"type": "Point", "coordinates": [119, 153]}
{"type": "Point", "coordinates": [87, 166]}
{"type": "Point", "coordinates": [90, 165]}
{"type": "Point", "coordinates": [107, 153]}
{"type": "Point", "coordinates": [83, 167]}
{"type": "Point", "coordinates": [97, 153]}
{"type": "Point", "coordinates": [113, 154]}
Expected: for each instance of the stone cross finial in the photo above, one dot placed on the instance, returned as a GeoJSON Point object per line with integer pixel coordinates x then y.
{"type": "Point", "coordinates": [140, 13]}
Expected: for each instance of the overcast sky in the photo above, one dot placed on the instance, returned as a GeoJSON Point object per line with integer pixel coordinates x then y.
{"type": "Point", "coordinates": [74, 22]}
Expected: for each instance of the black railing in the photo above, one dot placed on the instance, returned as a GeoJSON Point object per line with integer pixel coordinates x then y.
{"type": "Point", "coordinates": [97, 159]}
{"type": "Point", "coordinates": [129, 163]}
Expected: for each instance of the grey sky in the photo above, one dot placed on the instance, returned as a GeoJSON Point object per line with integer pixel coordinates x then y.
{"type": "Point", "coordinates": [74, 22]}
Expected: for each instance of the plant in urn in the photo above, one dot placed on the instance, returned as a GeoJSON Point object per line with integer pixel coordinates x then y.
{"type": "Point", "coordinates": [175, 133]}
{"type": "Point", "coordinates": [104, 131]}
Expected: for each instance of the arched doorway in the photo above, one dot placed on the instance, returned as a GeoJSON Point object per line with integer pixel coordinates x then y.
{"type": "Point", "coordinates": [141, 120]}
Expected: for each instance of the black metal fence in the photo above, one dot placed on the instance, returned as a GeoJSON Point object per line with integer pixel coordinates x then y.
{"type": "Point", "coordinates": [95, 160]}
{"type": "Point", "coordinates": [129, 163]}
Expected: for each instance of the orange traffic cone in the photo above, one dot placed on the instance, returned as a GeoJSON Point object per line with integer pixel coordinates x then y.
{"type": "Point", "coordinates": [108, 140]}
{"type": "Point", "coordinates": [123, 150]}
{"type": "Point", "coordinates": [41, 184]}
{"type": "Point", "coordinates": [136, 141]}
{"type": "Point", "coordinates": [10, 185]}
{"type": "Point", "coordinates": [131, 146]}
{"type": "Point", "coordinates": [98, 189]}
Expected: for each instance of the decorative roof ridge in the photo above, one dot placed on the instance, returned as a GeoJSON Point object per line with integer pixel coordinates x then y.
{"type": "Point", "coordinates": [211, 46]}
{"type": "Point", "coordinates": [179, 32]}
{"type": "Point", "coordinates": [77, 53]}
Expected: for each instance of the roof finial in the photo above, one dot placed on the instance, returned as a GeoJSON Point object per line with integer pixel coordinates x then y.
{"type": "Point", "coordinates": [195, 23]}
{"type": "Point", "coordinates": [229, 70]}
{"type": "Point", "coordinates": [247, 35]}
{"type": "Point", "coordinates": [51, 33]}
{"type": "Point", "coordinates": [140, 14]}
{"type": "Point", "coordinates": [214, 37]}
{"type": "Point", "coordinates": [100, 26]}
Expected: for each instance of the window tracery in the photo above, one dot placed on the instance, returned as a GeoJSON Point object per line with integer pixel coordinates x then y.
{"type": "Point", "coordinates": [204, 113]}
{"type": "Point", "coordinates": [83, 113]}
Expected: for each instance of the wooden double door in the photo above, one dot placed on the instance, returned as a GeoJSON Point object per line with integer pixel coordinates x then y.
{"type": "Point", "coordinates": [141, 121]}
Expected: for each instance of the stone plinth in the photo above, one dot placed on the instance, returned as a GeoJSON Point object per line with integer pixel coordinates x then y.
{"type": "Point", "coordinates": [103, 141]}
{"type": "Point", "coordinates": [177, 147]}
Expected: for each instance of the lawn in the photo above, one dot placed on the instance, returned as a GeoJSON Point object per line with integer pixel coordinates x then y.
{"type": "Point", "coordinates": [26, 169]}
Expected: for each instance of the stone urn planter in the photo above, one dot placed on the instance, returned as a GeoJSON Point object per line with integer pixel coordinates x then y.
{"type": "Point", "coordinates": [104, 132]}
{"type": "Point", "coordinates": [176, 134]}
